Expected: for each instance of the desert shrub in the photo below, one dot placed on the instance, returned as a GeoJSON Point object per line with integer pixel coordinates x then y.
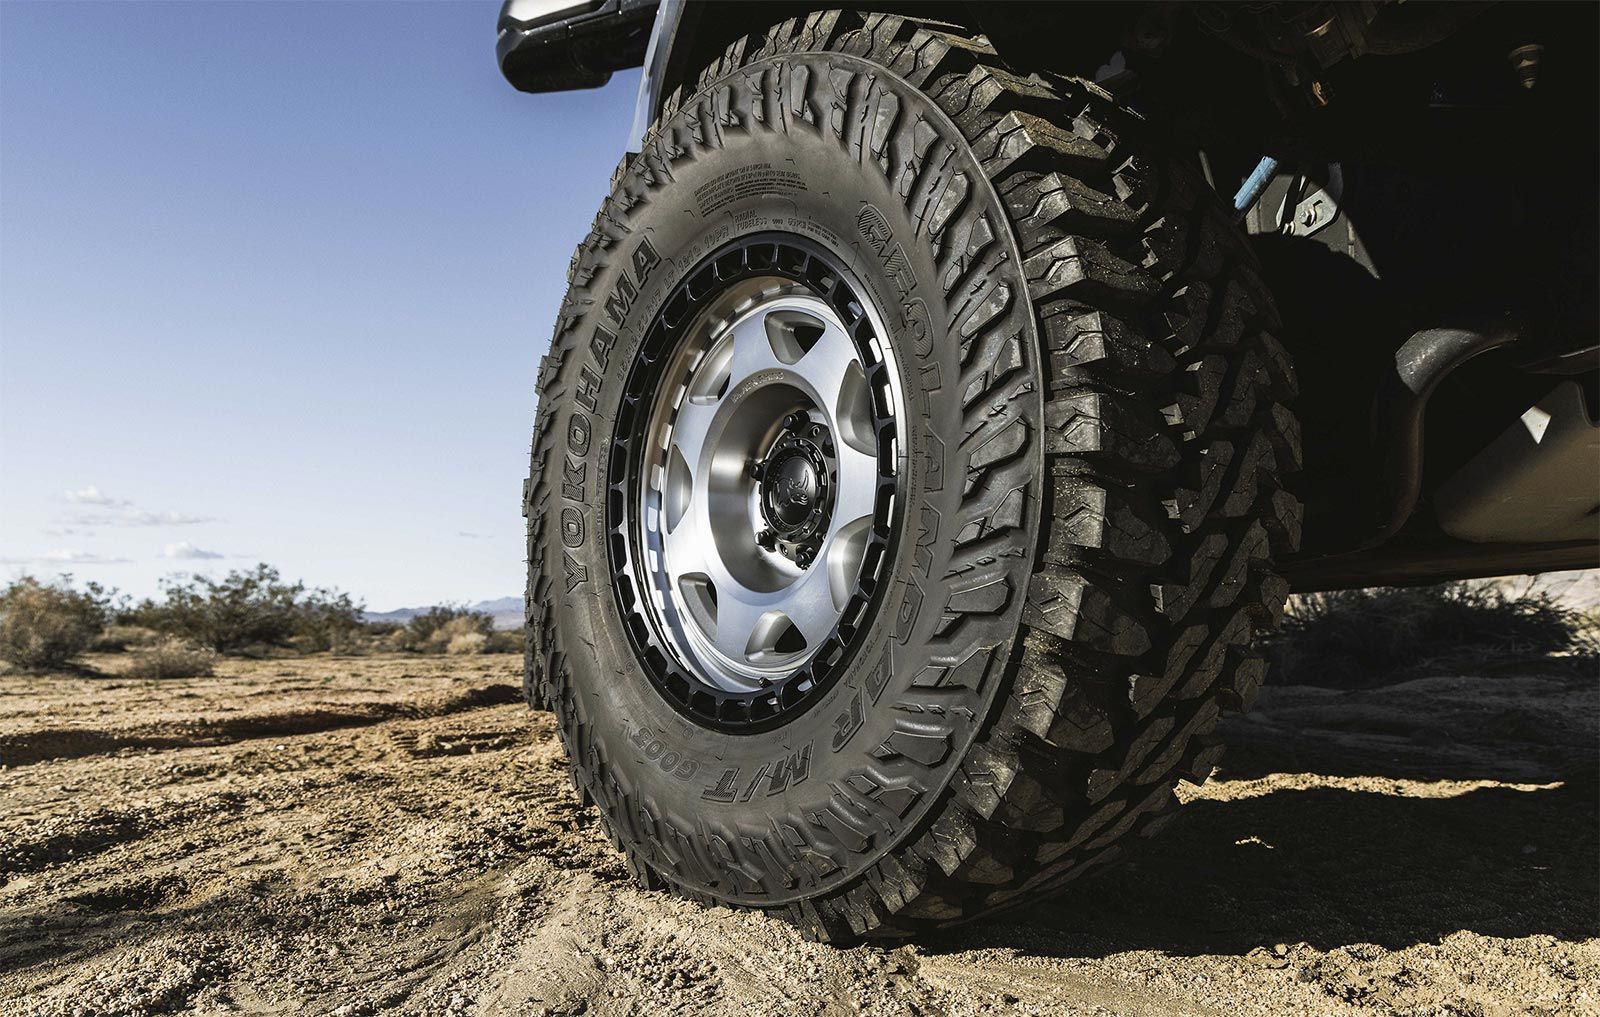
{"type": "Point", "coordinates": [467, 642]}
{"type": "Point", "coordinates": [504, 641]}
{"type": "Point", "coordinates": [170, 658]}
{"type": "Point", "coordinates": [397, 639]}
{"type": "Point", "coordinates": [47, 625]}
{"type": "Point", "coordinates": [358, 642]}
{"type": "Point", "coordinates": [465, 633]}
{"type": "Point", "coordinates": [433, 630]}
{"type": "Point", "coordinates": [1366, 638]}
{"type": "Point", "coordinates": [475, 640]}
{"type": "Point", "coordinates": [326, 618]}
{"type": "Point", "coordinates": [121, 638]}
{"type": "Point", "coordinates": [248, 609]}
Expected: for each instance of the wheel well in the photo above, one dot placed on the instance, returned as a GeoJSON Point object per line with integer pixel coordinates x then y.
{"type": "Point", "coordinates": [1078, 38]}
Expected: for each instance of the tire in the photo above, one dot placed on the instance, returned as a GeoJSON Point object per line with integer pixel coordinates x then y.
{"type": "Point", "coordinates": [1086, 501]}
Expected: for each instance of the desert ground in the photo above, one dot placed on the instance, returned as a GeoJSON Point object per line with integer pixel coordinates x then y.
{"type": "Point", "coordinates": [396, 834]}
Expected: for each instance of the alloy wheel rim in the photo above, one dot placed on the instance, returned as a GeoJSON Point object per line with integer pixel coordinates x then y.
{"type": "Point", "coordinates": [757, 491]}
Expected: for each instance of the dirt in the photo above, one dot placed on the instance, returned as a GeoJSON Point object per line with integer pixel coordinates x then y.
{"type": "Point", "coordinates": [397, 835]}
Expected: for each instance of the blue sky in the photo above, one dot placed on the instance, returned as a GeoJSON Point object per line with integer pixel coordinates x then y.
{"type": "Point", "coordinates": [274, 283]}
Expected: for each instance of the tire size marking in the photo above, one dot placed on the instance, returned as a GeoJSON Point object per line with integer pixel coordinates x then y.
{"type": "Point", "coordinates": [750, 181]}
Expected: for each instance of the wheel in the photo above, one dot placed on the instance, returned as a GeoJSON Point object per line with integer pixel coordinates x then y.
{"type": "Point", "coordinates": [904, 487]}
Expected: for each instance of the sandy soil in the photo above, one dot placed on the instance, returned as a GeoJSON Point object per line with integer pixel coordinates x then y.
{"type": "Point", "coordinates": [375, 835]}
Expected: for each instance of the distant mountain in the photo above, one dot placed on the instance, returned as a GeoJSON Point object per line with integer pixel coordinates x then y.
{"type": "Point", "coordinates": [506, 611]}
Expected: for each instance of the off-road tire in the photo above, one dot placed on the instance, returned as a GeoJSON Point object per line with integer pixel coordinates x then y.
{"type": "Point", "coordinates": [1091, 484]}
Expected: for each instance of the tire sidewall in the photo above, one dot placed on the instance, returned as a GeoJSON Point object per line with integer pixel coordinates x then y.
{"type": "Point", "coordinates": [776, 816]}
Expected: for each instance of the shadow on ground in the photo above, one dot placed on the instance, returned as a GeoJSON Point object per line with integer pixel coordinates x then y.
{"type": "Point", "coordinates": [1462, 804]}
{"type": "Point", "coordinates": [1332, 868]}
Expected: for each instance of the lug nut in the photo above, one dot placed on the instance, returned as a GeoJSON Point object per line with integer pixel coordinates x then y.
{"type": "Point", "coordinates": [767, 539]}
{"type": "Point", "coordinates": [754, 468]}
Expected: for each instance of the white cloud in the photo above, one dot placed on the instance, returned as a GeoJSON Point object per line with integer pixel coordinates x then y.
{"type": "Point", "coordinates": [92, 495]}
{"type": "Point", "coordinates": [73, 556]}
{"type": "Point", "coordinates": [184, 549]}
{"type": "Point", "coordinates": [469, 536]}
{"type": "Point", "coordinates": [140, 517]}
{"type": "Point", "coordinates": [66, 557]}
{"type": "Point", "coordinates": [67, 531]}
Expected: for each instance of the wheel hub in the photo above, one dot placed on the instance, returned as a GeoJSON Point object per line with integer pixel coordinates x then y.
{"type": "Point", "coordinates": [796, 490]}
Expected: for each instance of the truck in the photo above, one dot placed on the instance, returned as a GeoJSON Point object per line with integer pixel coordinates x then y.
{"type": "Point", "coordinates": [947, 396]}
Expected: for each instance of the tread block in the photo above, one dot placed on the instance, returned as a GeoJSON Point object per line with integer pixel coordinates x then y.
{"type": "Point", "coordinates": [1091, 515]}
{"type": "Point", "coordinates": [1090, 825]}
{"type": "Point", "coordinates": [1056, 708]}
{"type": "Point", "coordinates": [1173, 600]}
{"type": "Point", "coordinates": [1159, 799]}
{"type": "Point", "coordinates": [1283, 518]}
{"type": "Point", "coordinates": [1201, 388]}
{"type": "Point", "coordinates": [1074, 607]}
{"type": "Point", "coordinates": [1203, 476]}
{"type": "Point", "coordinates": [1031, 806]}
{"type": "Point", "coordinates": [1246, 672]}
{"type": "Point", "coordinates": [1256, 460]}
{"type": "Point", "coordinates": [1249, 551]}
{"type": "Point", "coordinates": [1200, 762]}
{"type": "Point", "coordinates": [1163, 762]}
{"type": "Point", "coordinates": [1099, 343]}
{"type": "Point", "coordinates": [1201, 666]}
{"type": "Point", "coordinates": [1283, 430]}
{"type": "Point", "coordinates": [1102, 425]}
{"type": "Point", "coordinates": [1060, 203]}
{"type": "Point", "coordinates": [1082, 268]}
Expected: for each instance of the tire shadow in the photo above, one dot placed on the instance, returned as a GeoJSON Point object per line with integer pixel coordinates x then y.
{"type": "Point", "coordinates": [1403, 853]}
{"type": "Point", "coordinates": [1515, 728]}
{"type": "Point", "coordinates": [1332, 868]}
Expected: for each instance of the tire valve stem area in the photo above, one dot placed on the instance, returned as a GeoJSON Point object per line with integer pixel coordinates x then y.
{"type": "Point", "coordinates": [794, 486]}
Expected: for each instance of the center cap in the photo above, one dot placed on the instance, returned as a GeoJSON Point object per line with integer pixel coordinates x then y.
{"type": "Point", "coordinates": [795, 489]}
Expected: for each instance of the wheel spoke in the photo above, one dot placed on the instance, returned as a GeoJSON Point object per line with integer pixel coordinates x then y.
{"type": "Point", "coordinates": [737, 622]}
{"type": "Point", "coordinates": [687, 547]}
{"type": "Point", "coordinates": [843, 558]}
{"type": "Point", "coordinates": [809, 606]}
{"type": "Point", "coordinates": [858, 485]}
{"type": "Point", "coordinates": [690, 431]}
{"type": "Point", "coordinates": [852, 412]}
{"type": "Point", "coordinates": [752, 351]}
{"type": "Point", "coordinates": [828, 364]}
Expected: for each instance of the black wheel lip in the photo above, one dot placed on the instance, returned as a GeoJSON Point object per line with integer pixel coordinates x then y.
{"type": "Point", "coordinates": [789, 256]}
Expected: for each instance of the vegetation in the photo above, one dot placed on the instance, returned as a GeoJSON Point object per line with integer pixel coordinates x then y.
{"type": "Point", "coordinates": [453, 629]}
{"type": "Point", "coordinates": [249, 609]}
{"type": "Point", "coordinates": [170, 658]}
{"type": "Point", "coordinates": [1366, 638]}
{"type": "Point", "coordinates": [115, 638]}
{"type": "Point", "coordinates": [1349, 639]}
{"type": "Point", "coordinates": [45, 626]}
